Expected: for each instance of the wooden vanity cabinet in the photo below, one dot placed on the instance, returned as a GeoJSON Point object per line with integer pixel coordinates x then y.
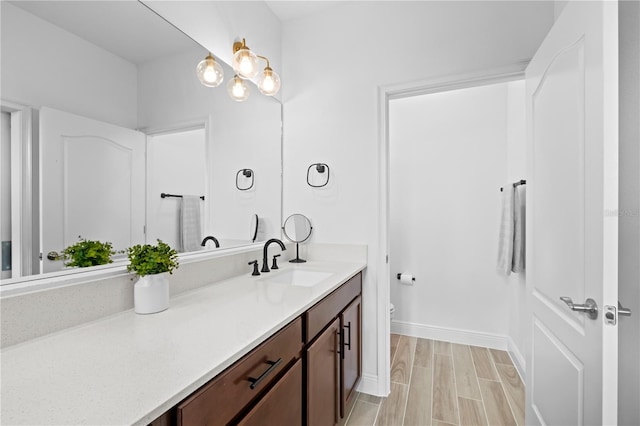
{"type": "Point", "coordinates": [351, 354]}
{"type": "Point", "coordinates": [323, 378]}
{"type": "Point", "coordinates": [282, 405]}
{"type": "Point", "coordinates": [334, 353]}
{"type": "Point", "coordinates": [245, 385]}
{"type": "Point", "coordinates": [306, 373]}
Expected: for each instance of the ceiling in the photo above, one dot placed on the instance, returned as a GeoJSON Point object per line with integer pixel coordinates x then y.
{"type": "Point", "coordinates": [115, 26]}
{"type": "Point", "coordinates": [287, 10]}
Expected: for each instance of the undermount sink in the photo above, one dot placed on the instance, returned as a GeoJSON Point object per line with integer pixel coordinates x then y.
{"type": "Point", "coordinates": [299, 277]}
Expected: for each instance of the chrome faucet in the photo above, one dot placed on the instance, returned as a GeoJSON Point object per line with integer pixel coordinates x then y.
{"type": "Point", "coordinates": [265, 265]}
{"type": "Point", "coordinates": [215, 240]}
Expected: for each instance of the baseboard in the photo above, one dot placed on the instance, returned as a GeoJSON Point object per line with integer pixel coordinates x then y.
{"type": "Point", "coordinates": [465, 337]}
{"type": "Point", "coordinates": [516, 357]}
{"type": "Point", "coordinates": [370, 385]}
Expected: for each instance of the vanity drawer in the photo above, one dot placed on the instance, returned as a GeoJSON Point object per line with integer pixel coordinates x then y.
{"type": "Point", "coordinates": [321, 314]}
{"type": "Point", "coordinates": [220, 400]}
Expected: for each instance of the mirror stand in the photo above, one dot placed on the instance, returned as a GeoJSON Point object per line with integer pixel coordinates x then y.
{"type": "Point", "coordinates": [297, 259]}
{"type": "Point", "coordinates": [297, 228]}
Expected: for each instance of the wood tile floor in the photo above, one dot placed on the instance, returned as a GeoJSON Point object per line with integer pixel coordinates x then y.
{"type": "Point", "coordinates": [437, 383]}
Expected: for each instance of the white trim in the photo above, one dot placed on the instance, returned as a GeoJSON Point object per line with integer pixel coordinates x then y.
{"type": "Point", "coordinates": [517, 358]}
{"type": "Point", "coordinates": [24, 259]}
{"type": "Point", "coordinates": [453, 335]}
{"type": "Point", "coordinates": [48, 280]}
{"type": "Point", "coordinates": [385, 93]}
{"type": "Point", "coordinates": [371, 385]}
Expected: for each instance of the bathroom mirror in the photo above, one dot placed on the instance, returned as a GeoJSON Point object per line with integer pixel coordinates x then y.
{"type": "Point", "coordinates": [297, 228]}
{"type": "Point", "coordinates": [121, 64]}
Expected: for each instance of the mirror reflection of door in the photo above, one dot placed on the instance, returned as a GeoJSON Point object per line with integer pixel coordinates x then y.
{"type": "Point", "coordinates": [92, 183]}
{"type": "Point", "coordinates": [177, 165]}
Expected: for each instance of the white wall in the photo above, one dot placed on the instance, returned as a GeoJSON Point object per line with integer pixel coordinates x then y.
{"type": "Point", "coordinates": [629, 226]}
{"type": "Point", "coordinates": [45, 65]}
{"type": "Point", "coordinates": [240, 135]}
{"type": "Point", "coordinates": [448, 159]}
{"type": "Point", "coordinates": [176, 164]}
{"type": "Point", "coordinates": [334, 63]}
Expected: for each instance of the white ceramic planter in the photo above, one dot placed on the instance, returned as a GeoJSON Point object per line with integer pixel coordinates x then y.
{"type": "Point", "coordinates": [151, 293]}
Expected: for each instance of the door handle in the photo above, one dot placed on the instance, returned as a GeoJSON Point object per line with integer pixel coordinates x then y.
{"type": "Point", "coordinates": [625, 312]}
{"type": "Point", "coordinates": [348, 343]}
{"type": "Point", "coordinates": [589, 307]}
{"type": "Point", "coordinates": [54, 255]}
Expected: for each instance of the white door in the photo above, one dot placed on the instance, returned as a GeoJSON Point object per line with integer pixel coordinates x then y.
{"type": "Point", "coordinates": [92, 183]}
{"type": "Point", "coordinates": [572, 197]}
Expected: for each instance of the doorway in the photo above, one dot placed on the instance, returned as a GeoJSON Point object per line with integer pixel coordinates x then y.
{"type": "Point", "coordinates": [450, 153]}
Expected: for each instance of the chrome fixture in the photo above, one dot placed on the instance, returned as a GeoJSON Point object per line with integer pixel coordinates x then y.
{"type": "Point", "coordinates": [210, 238]}
{"type": "Point", "coordinates": [590, 307]}
{"type": "Point", "coordinates": [265, 265]}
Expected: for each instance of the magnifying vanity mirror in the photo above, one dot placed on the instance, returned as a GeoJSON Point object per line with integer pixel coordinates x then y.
{"type": "Point", "coordinates": [253, 228]}
{"type": "Point", "coordinates": [297, 228]}
{"type": "Point", "coordinates": [136, 77]}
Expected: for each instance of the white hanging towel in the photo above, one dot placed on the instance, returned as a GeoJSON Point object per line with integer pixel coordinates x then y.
{"type": "Point", "coordinates": [519, 205]}
{"type": "Point", "coordinates": [190, 231]}
{"type": "Point", "coordinates": [505, 241]}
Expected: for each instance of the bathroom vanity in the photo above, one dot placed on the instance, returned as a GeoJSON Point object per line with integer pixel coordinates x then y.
{"type": "Point", "coordinates": [280, 348]}
{"type": "Point", "coordinates": [307, 370]}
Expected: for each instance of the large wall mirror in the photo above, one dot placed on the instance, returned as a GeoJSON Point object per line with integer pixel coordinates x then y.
{"type": "Point", "coordinates": [102, 112]}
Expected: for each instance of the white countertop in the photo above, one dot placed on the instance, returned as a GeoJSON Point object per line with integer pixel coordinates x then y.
{"type": "Point", "coordinates": [129, 369]}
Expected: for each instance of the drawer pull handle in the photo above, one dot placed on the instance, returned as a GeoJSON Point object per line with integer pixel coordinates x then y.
{"type": "Point", "coordinates": [273, 366]}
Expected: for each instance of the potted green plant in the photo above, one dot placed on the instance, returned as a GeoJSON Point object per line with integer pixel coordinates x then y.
{"type": "Point", "coordinates": [88, 253]}
{"type": "Point", "coordinates": [152, 264]}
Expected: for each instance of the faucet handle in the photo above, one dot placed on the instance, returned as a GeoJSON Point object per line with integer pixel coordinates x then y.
{"type": "Point", "coordinates": [275, 262]}
{"type": "Point", "coordinates": [255, 267]}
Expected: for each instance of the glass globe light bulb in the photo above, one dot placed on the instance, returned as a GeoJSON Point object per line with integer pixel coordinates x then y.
{"type": "Point", "coordinates": [238, 89]}
{"type": "Point", "coordinates": [245, 63]}
{"type": "Point", "coordinates": [269, 82]}
{"type": "Point", "coordinates": [210, 72]}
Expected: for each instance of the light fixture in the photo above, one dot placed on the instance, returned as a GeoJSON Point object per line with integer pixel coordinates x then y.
{"type": "Point", "coordinates": [245, 62]}
{"type": "Point", "coordinates": [268, 81]}
{"type": "Point", "coordinates": [238, 89]}
{"type": "Point", "coordinates": [210, 72]}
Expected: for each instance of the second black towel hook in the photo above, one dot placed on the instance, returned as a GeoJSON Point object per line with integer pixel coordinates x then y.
{"type": "Point", "coordinates": [322, 169]}
{"type": "Point", "coordinates": [247, 174]}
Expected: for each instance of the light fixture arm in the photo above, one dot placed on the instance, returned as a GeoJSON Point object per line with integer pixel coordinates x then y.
{"type": "Point", "coordinates": [265, 59]}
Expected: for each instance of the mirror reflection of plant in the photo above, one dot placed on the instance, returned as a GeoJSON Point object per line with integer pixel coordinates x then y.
{"type": "Point", "coordinates": [149, 259]}
{"type": "Point", "coordinates": [88, 253]}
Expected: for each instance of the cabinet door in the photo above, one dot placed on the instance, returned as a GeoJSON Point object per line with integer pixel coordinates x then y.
{"type": "Point", "coordinates": [282, 405]}
{"type": "Point", "coordinates": [323, 384]}
{"type": "Point", "coordinates": [351, 353]}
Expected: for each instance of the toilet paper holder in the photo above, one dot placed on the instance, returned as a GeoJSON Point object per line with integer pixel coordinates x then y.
{"type": "Point", "coordinates": [412, 278]}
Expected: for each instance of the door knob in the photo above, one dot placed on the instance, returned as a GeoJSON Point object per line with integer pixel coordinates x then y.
{"type": "Point", "coordinates": [53, 255]}
{"type": "Point", "coordinates": [589, 307]}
